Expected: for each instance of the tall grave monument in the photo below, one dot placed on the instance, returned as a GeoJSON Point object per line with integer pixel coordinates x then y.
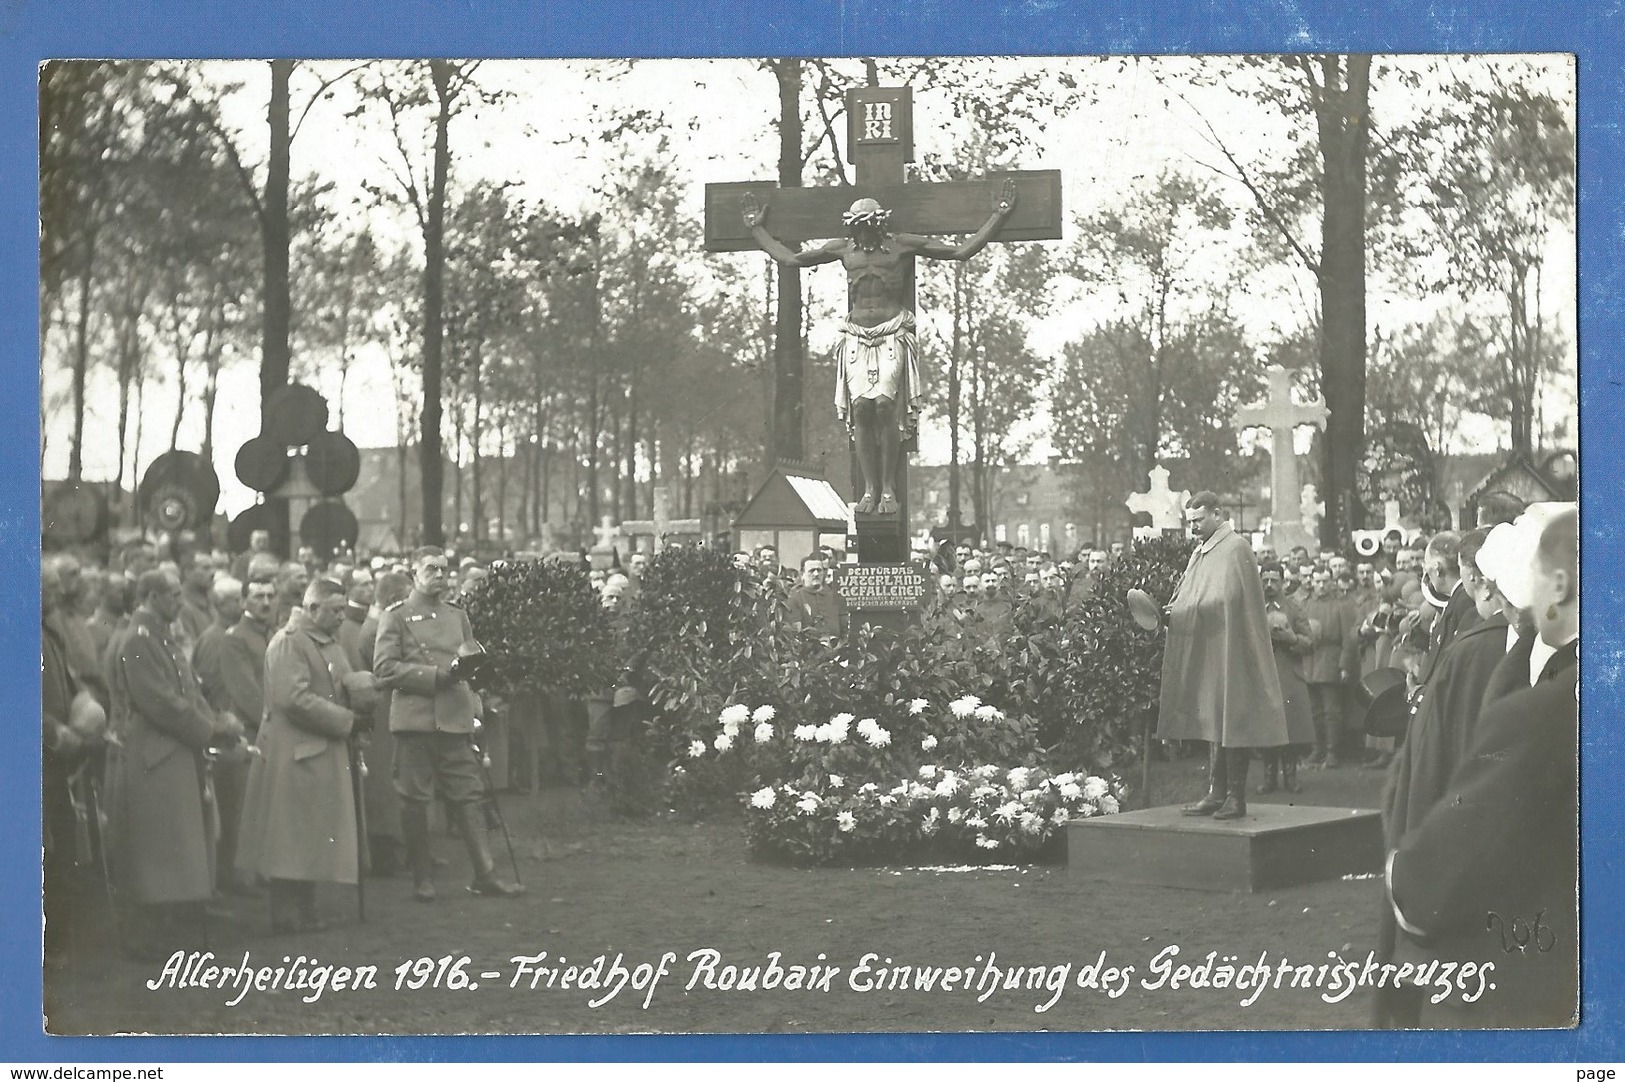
{"type": "Point", "coordinates": [887, 223]}
{"type": "Point", "coordinates": [1282, 416]}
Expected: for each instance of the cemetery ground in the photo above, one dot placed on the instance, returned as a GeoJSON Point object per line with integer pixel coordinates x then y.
{"type": "Point", "coordinates": [643, 889]}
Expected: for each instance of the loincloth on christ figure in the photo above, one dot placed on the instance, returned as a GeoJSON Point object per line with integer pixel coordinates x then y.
{"type": "Point", "coordinates": [880, 362]}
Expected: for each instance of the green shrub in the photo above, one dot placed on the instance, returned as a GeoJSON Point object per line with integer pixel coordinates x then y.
{"type": "Point", "coordinates": [542, 626]}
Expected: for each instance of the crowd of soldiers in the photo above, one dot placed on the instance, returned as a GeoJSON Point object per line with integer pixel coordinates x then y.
{"type": "Point", "coordinates": [205, 725]}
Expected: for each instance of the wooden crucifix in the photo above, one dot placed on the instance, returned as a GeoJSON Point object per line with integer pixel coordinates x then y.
{"type": "Point", "coordinates": [887, 224]}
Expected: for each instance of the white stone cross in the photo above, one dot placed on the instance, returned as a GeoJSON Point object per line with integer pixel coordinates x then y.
{"type": "Point", "coordinates": [606, 533]}
{"type": "Point", "coordinates": [1282, 416]}
{"type": "Point", "coordinates": [1166, 508]}
{"type": "Point", "coordinates": [661, 525]}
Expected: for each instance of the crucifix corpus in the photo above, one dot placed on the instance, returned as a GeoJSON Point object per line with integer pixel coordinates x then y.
{"type": "Point", "coordinates": [887, 223]}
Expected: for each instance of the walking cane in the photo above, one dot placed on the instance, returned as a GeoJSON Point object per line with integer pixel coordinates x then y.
{"type": "Point", "coordinates": [358, 774]}
{"type": "Point", "coordinates": [490, 801]}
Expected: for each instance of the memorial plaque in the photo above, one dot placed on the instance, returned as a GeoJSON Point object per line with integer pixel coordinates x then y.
{"type": "Point", "coordinates": [880, 586]}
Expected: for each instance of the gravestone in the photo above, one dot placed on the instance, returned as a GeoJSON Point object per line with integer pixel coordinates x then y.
{"type": "Point", "coordinates": [1166, 507]}
{"type": "Point", "coordinates": [1282, 416]}
{"type": "Point", "coordinates": [662, 525]}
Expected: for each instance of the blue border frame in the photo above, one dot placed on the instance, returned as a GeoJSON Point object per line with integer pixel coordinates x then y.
{"type": "Point", "coordinates": [191, 28]}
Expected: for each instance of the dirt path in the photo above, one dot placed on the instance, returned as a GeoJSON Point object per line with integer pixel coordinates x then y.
{"type": "Point", "coordinates": [646, 890]}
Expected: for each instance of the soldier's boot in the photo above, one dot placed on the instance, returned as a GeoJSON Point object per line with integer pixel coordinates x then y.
{"type": "Point", "coordinates": [1218, 783]}
{"type": "Point", "coordinates": [479, 855]}
{"type": "Point", "coordinates": [1272, 764]}
{"type": "Point", "coordinates": [1289, 773]}
{"type": "Point", "coordinates": [1235, 802]}
{"type": "Point", "coordinates": [415, 835]}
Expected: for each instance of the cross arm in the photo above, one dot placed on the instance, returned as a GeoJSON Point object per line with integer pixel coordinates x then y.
{"type": "Point", "coordinates": [953, 207]}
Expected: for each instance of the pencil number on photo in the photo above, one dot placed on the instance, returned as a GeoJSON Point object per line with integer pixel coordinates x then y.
{"type": "Point", "coordinates": [1525, 932]}
{"type": "Point", "coordinates": [449, 972]}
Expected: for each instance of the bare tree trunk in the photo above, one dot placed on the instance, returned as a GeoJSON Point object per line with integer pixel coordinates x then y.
{"type": "Point", "coordinates": [81, 362]}
{"type": "Point", "coordinates": [274, 230]}
{"type": "Point", "coordinates": [434, 265]}
{"type": "Point", "coordinates": [1341, 110]}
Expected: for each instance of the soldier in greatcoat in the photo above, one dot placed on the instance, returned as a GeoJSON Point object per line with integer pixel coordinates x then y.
{"type": "Point", "coordinates": [161, 803]}
{"type": "Point", "coordinates": [299, 822]}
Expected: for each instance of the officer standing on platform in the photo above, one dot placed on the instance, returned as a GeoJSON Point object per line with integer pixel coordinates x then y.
{"type": "Point", "coordinates": [432, 716]}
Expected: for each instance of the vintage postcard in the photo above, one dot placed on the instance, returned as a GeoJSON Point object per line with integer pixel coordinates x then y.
{"type": "Point", "coordinates": [819, 545]}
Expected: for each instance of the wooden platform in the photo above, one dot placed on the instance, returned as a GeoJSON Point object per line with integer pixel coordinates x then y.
{"type": "Point", "coordinates": [1276, 845]}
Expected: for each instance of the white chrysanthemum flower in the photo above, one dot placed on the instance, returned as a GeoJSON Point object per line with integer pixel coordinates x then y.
{"type": "Point", "coordinates": [737, 714]}
{"type": "Point", "coordinates": [763, 713]}
{"type": "Point", "coordinates": [836, 781]}
{"type": "Point", "coordinates": [1070, 791]}
{"type": "Point", "coordinates": [868, 787]}
{"type": "Point", "coordinates": [723, 742]}
{"type": "Point", "coordinates": [918, 791]}
{"type": "Point", "coordinates": [1031, 822]}
{"type": "Point", "coordinates": [929, 743]}
{"type": "Point", "coordinates": [1064, 779]}
{"type": "Point", "coordinates": [1108, 805]}
{"type": "Point", "coordinates": [763, 798]}
{"type": "Point", "coordinates": [887, 800]}
{"type": "Point", "coordinates": [696, 748]}
{"type": "Point", "coordinates": [930, 823]}
{"type": "Point", "coordinates": [1008, 811]}
{"type": "Point", "coordinates": [984, 842]}
{"type": "Point", "coordinates": [764, 732]}
{"type": "Point", "coordinates": [955, 814]}
{"type": "Point", "coordinates": [1019, 777]}
{"type": "Point", "coordinates": [987, 713]}
{"type": "Point", "coordinates": [964, 706]}
{"type": "Point", "coordinates": [947, 785]}
{"type": "Point", "coordinates": [917, 707]}
{"type": "Point", "coordinates": [837, 734]}
{"type": "Point", "coordinates": [731, 731]}
{"type": "Point", "coordinates": [877, 737]}
{"type": "Point", "coordinates": [866, 725]}
{"type": "Point", "coordinates": [846, 821]}
{"type": "Point", "coordinates": [982, 792]}
{"type": "Point", "coordinates": [929, 770]}
{"type": "Point", "coordinates": [976, 821]}
{"type": "Point", "coordinates": [1031, 796]}
{"type": "Point", "coordinates": [1060, 816]}
{"type": "Point", "coordinates": [821, 733]}
{"type": "Point", "coordinates": [842, 720]}
{"type": "Point", "coordinates": [1095, 788]}
{"type": "Point", "coordinates": [1086, 810]}
{"type": "Point", "coordinates": [987, 772]}
{"type": "Point", "coordinates": [806, 732]}
{"type": "Point", "coordinates": [808, 804]}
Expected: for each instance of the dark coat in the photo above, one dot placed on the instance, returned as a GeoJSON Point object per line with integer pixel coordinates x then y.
{"type": "Point", "coordinates": [299, 809]}
{"type": "Point", "coordinates": [242, 672]}
{"type": "Point", "coordinates": [1218, 670]}
{"type": "Point", "coordinates": [1459, 615]}
{"type": "Point", "coordinates": [162, 828]}
{"type": "Point", "coordinates": [1300, 722]}
{"type": "Point", "coordinates": [1497, 860]}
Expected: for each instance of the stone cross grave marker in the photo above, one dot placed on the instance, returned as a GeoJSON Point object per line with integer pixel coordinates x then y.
{"type": "Point", "coordinates": [662, 524]}
{"type": "Point", "coordinates": [1166, 507]}
{"type": "Point", "coordinates": [1282, 416]}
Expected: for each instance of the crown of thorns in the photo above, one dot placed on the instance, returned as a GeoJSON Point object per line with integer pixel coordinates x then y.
{"type": "Point", "coordinates": [866, 212]}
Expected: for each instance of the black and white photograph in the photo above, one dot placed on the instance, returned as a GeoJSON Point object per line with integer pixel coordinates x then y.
{"type": "Point", "coordinates": [913, 544]}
